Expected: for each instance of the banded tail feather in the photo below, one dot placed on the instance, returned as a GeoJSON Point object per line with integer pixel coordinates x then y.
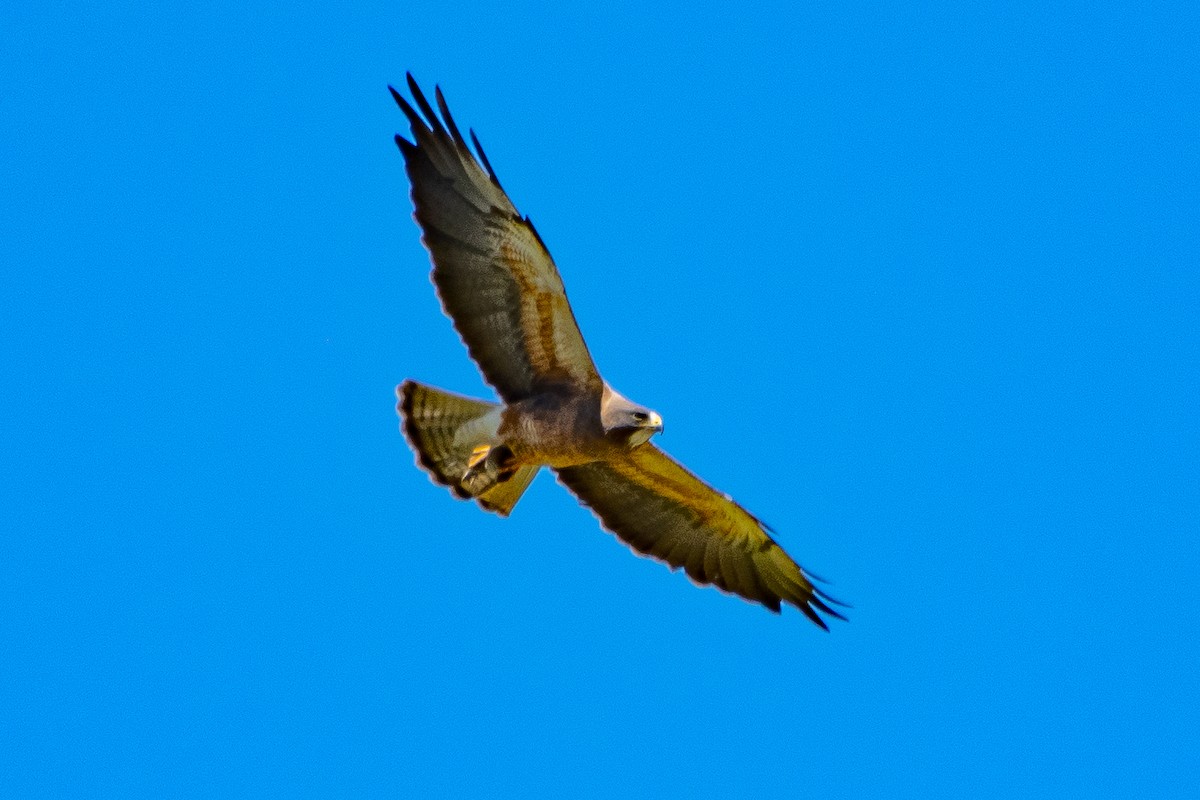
{"type": "Point", "coordinates": [444, 430]}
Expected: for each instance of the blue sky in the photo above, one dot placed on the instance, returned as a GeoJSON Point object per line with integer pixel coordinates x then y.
{"type": "Point", "coordinates": [918, 286]}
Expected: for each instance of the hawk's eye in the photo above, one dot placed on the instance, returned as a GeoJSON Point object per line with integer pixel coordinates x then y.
{"type": "Point", "coordinates": [639, 416]}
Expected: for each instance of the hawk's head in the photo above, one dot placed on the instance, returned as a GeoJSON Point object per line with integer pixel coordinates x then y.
{"type": "Point", "coordinates": [626, 421]}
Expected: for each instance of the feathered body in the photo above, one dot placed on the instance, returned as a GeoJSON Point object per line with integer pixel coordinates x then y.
{"type": "Point", "coordinates": [500, 287]}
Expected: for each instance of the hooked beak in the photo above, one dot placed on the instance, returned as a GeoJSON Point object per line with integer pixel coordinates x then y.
{"type": "Point", "coordinates": [655, 422]}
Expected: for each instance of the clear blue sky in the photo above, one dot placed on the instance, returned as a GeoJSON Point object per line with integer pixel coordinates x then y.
{"type": "Point", "coordinates": [918, 286]}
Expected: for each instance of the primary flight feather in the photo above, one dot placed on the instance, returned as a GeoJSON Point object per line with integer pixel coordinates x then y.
{"type": "Point", "coordinates": [500, 287]}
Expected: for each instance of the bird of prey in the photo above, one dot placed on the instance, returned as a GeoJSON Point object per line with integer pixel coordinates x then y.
{"type": "Point", "coordinates": [500, 287]}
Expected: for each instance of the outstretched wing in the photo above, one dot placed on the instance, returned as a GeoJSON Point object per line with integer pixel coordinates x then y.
{"type": "Point", "coordinates": [664, 511]}
{"type": "Point", "coordinates": [496, 280]}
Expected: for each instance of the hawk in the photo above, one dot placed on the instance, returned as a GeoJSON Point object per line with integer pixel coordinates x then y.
{"type": "Point", "coordinates": [501, 289]}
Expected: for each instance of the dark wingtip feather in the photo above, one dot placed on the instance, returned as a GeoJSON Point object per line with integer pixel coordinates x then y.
{"type": "Point", "coordinates": [483, 157]}
{"type": "Point", "coordinates": [824, 595]}
{"type": "Point", "coordinates": [414, 119]}
{"type": "Point", "coordinates": [429, 120]}
{"type": "Point", "coordinates": [426, 109]}
{"type": "Point", "coordinates": [821, 601]}
{"type": "Point", "coordinates": [821, 605]}
{"type": "Point", "coordinates": [445, 109]}
{"type": "Point", "coordinates": [405, 145]}
{"type": "Point", "coordinates": [814, 576]}
{"type": "Point", "coordinates": [814, 616]}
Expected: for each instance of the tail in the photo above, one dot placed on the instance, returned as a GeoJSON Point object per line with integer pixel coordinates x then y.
{"type": "Point", "coordinates": [444, 429]}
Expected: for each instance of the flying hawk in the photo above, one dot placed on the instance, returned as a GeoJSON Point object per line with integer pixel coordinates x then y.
{"type": "Point", "coordinates": [500, 287]}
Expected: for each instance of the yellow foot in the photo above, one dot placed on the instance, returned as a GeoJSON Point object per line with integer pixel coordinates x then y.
{"type": "Point", "coordinates": [478, 455]}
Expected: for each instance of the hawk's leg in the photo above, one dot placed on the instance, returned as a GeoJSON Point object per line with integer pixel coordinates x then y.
{"type": "Point", "coordinates": [477, 455]}
{"type": "Point", "coordinates": [487, 466]}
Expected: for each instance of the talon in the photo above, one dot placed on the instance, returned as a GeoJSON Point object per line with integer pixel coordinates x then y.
{"type": "Point", "coordinates": [477, 455]}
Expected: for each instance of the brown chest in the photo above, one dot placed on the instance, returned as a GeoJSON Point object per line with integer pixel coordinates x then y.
{"type": "Point", "coordinates": [554, 433]}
